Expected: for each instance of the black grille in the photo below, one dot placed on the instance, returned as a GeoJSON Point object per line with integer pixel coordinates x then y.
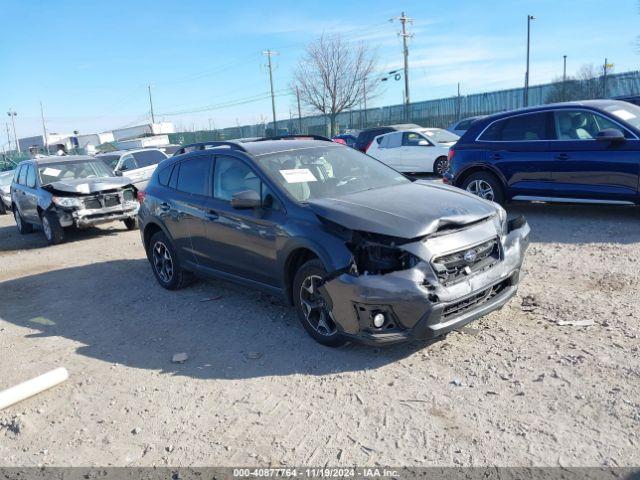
{"type": "Point", "coordinates": [455, 266]}
{"type": "Point", "coordinates": [469, 303]}
{"type": "Point", "coordinates": [102, 201]}
{"type": "Point", "coordinates": [91, 203]}
{"type": "Point", "coordinates": [111, 200]}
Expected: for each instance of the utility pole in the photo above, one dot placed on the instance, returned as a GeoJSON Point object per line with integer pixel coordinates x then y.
{"type": "Point", "coordinates": [44, 130]}
{"type": "Point", "coordinates": [153, 118]}
{"type": "Point", "coordinates": [526, 75]}
{"type": "Point", "coordinates": [269, 54]}
{"type": "Point", "coordinates": [459, 104]}
{"type": "Point", "coordinates": [405, 48]}
{"type": "Point", "coordinates": [564, 78]}
{"type": "Point", "coordinates": [13, 115]}
{"type": "Point", "coordinates": [364, 88]}
{"type": "Point", "coordinates": [299, 110]}
{"type": "Point", "coordinates": [605, 70]}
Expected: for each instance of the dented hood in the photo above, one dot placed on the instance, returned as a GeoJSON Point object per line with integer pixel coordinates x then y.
{"type": "Point", "coordinates": [410, 210]}
{"type": "Point", "coordinates": [88, 185]}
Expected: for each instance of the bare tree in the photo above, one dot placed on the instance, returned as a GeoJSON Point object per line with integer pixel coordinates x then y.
{"type": "Point", "coordinates": [334, 76]}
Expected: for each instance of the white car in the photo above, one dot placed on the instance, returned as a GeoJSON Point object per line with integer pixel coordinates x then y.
{"type": "Point", "coordinates": [419, 150]}
{"type": "Point", "coordinates": [137, 165]}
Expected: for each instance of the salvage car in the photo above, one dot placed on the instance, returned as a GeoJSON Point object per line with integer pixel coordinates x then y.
{"type": "Point", "coordinates": [420, 150]}
{"type": "Point", "coordinates": [137, 165]}
{"type": "Point", "coordinates": [576, 152]}
{"type": "Point", "coordinates": [76, 190]}
{"type": "Point", "coordinates": [5, 191]}
{"type": "Point", "coordinates": [362, 252]}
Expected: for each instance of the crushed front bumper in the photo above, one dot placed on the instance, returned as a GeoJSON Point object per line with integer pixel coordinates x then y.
{"type": "Point", "coordinates": [415, 304]}
{"type": "Point", "coordinates": [82, 218]}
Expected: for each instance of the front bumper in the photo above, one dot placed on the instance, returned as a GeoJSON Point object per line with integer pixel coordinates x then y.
{"type": "Point", "coordinates": [415, 304]}
{"type": "Point", "coordinates": [83, 218]}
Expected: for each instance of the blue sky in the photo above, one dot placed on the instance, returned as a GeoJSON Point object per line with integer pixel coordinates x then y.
{"type": "Point", "coordinates": [90, 62]}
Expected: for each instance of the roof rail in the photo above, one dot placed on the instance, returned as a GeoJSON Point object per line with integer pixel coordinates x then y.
{"type": "Point", "coordinates": [293, 137]}
{"type": "Point", "coordinates": [204, 145]}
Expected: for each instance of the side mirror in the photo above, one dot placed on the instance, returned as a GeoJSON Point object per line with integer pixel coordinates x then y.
{"type": "Point", "coordinates": [118, 173]}
{"type": "Point", "coordinates": [610, 135]}
{"type": "Point", "coordinates": [246, 199]}
{"type": "Point", "coordinates": [424, 143]}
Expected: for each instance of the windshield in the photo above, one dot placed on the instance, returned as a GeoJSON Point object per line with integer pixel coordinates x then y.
{"type": "Point", "coordinates": [439, 135]}
{"type": "Point", "coordinates": [54, 172]}
{"type": "Point", "coordinates": [110, 160]}
{"type": "Point", "coordinates": [628, 112]}
{"type": "Point", "coordinates": [331, 171]}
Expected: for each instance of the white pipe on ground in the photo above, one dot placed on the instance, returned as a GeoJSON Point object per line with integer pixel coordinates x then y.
{"type": "Point", "coordinates": [31, 387]}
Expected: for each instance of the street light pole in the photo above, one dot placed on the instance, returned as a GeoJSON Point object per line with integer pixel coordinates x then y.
{"type": "Point", "coordinates": [564, 78]}
{"type": "Point", "coordinates": [153, 118]}
{"type": "Point", "coordinates": [269, 54]}
{"type": "Point", "coordinates": [13, 115]}
{"type": "Point", "coordinates": [526, 75]}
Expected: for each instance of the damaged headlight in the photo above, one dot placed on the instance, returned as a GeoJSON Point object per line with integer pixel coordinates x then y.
{"type": "Point", "coordinates": [128, 196]}
{"type": "Point", "coordinates": [66, 202]}
{"type": "Point", "coordinates": [500, 219]}
{"type": "Point", "coordinates": [381, 259]}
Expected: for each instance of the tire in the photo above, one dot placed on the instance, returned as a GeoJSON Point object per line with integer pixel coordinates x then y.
{"type": "Point", "coordinates": [3, 208]}
{"type": "Point", "coordinates": [440, 166]}
{"type": "Point", "coordinates": [51, 227]}
{"type": "Point", "coordinates": [131, 223]}
{"type": "Point", "coordinates": [324, 330]}
{"type": "Point", "coordinates": [485, 185]}
{"type": "Point", "coordinates": [23, 227]}
{"type": "Point", "coordinates": [169, 275]}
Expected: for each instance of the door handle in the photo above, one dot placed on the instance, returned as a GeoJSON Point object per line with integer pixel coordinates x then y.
{"type": "Point", "coordinates": [212, 215]}
{"type": "Point", "coordinates": [164, 207]}
{"type": "Point", "coordinates": [562, 156]}
{"type": "Point", "coordinates": [496, 156]}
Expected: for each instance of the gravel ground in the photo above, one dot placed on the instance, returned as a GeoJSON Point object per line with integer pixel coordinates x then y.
{"type": "Point", "coordinates": [515, 388]}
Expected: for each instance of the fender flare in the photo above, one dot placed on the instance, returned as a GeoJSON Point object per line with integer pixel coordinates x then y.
{"type": "Point", "coordinates": [480, 166]}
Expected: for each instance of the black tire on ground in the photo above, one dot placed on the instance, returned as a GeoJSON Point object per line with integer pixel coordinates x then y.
{"type": "Point", "coordinates": [23, 227]}
{"type": "Point", "coordinates": [131, 223]}
{"type": "Point", "coordinates": [309, 272]}
{"type": "Point", "coordinates": [165, 264]}
{"type": "Point", "coordinates": [440, 166]}
{"type": "Point", "coordinates": [485, 185]}
{"type": "Point", "coordinates": [51, 227]}
{"type": "Point", "coordinates": [3, 208]}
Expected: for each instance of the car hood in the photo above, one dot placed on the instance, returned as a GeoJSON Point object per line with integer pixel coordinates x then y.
{"type": "Point", "coordinates": [409, 211]}
{"type": "Point", "coordinates": [88, 185]}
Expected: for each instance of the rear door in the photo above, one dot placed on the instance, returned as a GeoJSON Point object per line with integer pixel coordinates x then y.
{"type": "Point", "coordinates": [241, 242]}
{"type": "Point", "coordinates": [29, 206]}
{"type": "Point", "coordinates": [586, 168]}
{"type": "Point", "coordinates": [128, 167]}
{"type": "Point", "coordinates": [518, 147]}
{"type": "Point", "coordinates": [18, 189]}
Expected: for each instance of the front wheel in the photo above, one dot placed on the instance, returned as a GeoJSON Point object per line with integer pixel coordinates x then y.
{"type": "Point", "coordinates": [313, 309]}
{"type": "Point", "coordinates": [131, 223]}
{"type": "Point", "coordinates": [3, 208]}
{"type": "Point", "coordinates": [51, 227]}
{"type": "Point", "coordinates": [485, 185]}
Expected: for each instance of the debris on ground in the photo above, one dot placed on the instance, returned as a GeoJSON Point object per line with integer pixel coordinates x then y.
{"type": "Point", "coordinates": [254, 355]}
{"type": "Point", "coordinates": [529, 303]}
{"type": "Point", "coordinates": [211, 299]}
{"type": "Point", "coordinates": [136, 430]}
{"type": "Point", "coordinates": [32, 387]}
{"type": "Point", "coordinates": [575, 323]}
{"type": "Point", "coordinates": [14, 425]}
{"type": "Point", "coordinates": [180, 358]}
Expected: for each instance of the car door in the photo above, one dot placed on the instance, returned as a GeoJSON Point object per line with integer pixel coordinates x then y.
{"type": "Point", "coordinates": [518, 147]}
{"type": "Point", "coordinates": [128, 167]}
{"type": "Point", "coordinates": [587, 168]}
{"type": "Point", "coordinates": [147, 161]}
{"type": "Point", "coordinates": [388, 149]}
{"type": "Point", "coordinates": [17, 187]}
{"type": "Point", "coordinates": [182, 209]}
{"type": "Point", "coordinates": [417, 152]}
{"type": "Point", "coordinates": [237, 241]}
{"type": "Point", "coordinates": [29, 201]}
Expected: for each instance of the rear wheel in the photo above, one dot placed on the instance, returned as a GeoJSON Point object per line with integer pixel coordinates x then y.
{"type": "Point", "coordinates": [165, 263]}
{"type": "Point", "coordinates": [314, 312]}
{"type": "Point", "coordinates": [51, 227]}
{"type": "Point", "coordinates": [23, 227]}
{"type": "Point", "coordinates": [485, 185]}
{"type": "Point", "coordinates": [440, 166]}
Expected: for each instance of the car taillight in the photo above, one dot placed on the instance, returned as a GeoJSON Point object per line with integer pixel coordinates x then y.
{"type": "Point", "coordinates": [367, 147]}
{"type": "Point", "coordinates": [339, 140]}
{"type": "Point", "coordinates": [452, 152]}
{"type": "Point", "coordinates": [141, 195]}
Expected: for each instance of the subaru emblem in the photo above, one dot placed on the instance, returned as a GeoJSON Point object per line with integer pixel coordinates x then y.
{"type": "Point", "coordinates": [470, 256]}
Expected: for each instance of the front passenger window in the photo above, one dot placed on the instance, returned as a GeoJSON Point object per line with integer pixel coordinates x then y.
{"type": "Point", "coordinates": [232, 176]}
{"type": "Point", "coordinates": [31, 177]}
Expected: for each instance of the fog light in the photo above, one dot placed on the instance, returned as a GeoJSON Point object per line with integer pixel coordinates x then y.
{"type": "Point", "coordinates": [378, 320]}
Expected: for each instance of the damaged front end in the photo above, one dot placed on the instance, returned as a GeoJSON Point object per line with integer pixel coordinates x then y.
{"type": "Point", "coordinates": [395, 289]}
{"type": "Point", "coordinates": [87, 207]}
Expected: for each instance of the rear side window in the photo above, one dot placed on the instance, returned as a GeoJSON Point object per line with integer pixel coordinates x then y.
{"type": "Point", "coordinates": [464, 125]}
{"type": "Point", "coordinates": [16, 175]}
{"type": "Point", "coordinates": [193, 176]}
{"type": "Point", "coordinates": [520, 128]}
{"type": "Point", "coordinates": [164, 175]}
{"type": "Point", "coordinates": [146, 158]}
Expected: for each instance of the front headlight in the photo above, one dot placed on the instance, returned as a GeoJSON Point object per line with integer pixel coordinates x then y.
{"type": "Point", "coordinates": [501, 219]}
{"type": "Point", "coordinates": [5, 190]}
{"type": "Point", "coordinates": [66, 202]}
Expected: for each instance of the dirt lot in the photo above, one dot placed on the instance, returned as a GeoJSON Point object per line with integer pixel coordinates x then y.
{"type": "Point", "coordinates": [514, 388]}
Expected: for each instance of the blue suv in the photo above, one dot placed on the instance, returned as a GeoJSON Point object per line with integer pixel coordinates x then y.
{"type": "Point", "coordinates": [585, 152]}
